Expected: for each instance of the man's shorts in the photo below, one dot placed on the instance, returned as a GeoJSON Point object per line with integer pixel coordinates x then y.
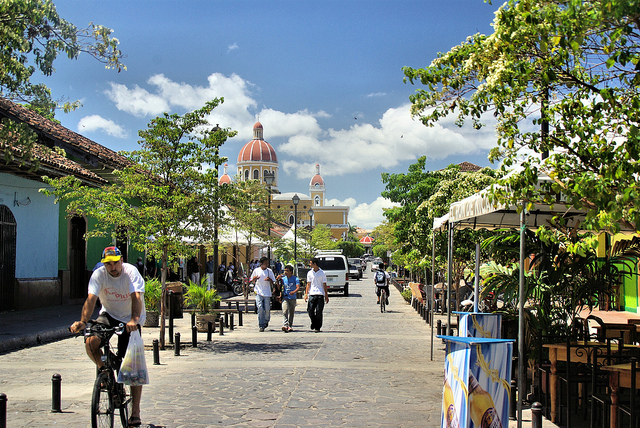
{"type": "Point", "coordinates": [380, 287]}
{"type": "Point", "coordinates": [123, 339]}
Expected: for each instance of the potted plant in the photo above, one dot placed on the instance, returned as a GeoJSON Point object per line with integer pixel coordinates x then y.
{"type": "Point", "coordinates": [202, 300]}
{"type": "Point", "coordinates": [152, 295]}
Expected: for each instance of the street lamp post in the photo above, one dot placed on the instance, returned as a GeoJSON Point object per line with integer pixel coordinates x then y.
{"type": "Point", "coordinates": [310, 230]}
{"type": "Point", "coordinates": [268, 179]}
{"type": "Point", "coordinates": [296, 201]}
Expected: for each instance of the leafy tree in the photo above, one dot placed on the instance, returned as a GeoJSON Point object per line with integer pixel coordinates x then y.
{"type": "Point", "coordinates": [569, 67]}
{"type": "Point", "coordinates": [32, 35]}
{"type": "Point", "coordinates": [248, 209]}
{"type": "Point", "coordinates": [409, 190]}
{"type": "Point", "coordinates": [351, 248]}
{"type": "Point", "coordinates": [167, 193]}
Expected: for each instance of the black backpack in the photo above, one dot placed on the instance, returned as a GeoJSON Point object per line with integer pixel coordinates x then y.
{"type": "Point", "coordinates": [380, 277]}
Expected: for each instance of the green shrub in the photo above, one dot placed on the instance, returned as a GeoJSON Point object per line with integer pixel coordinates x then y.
{"type": "Point", "coordinates": [406, 293]}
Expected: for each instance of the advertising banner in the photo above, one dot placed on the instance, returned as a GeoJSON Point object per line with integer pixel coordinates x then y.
{"type": "Point", "coordinates": [476, 383]}
{"type": "Point", "coordinates": [484, 325]}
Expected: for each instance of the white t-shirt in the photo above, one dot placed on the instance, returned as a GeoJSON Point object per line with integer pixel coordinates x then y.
{"type": "Point", "coordinates": [115, 293]}
{"type": "Point", "coordinates": [263, 287]}
{"type": "Point", "coordinates": [316, 281]}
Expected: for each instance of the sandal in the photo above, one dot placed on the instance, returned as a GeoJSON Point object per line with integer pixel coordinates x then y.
{"type": "Point", "coordinates": [134, 422]}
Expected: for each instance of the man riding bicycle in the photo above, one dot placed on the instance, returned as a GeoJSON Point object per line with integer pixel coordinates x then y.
{"type": "Point", "coordinates": [381, 279]}
{"type": "Point", "coordinates": [120, 288]}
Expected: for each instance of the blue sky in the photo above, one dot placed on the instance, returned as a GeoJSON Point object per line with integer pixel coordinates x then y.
{"type": "Point", "coordinates": [323, 77]}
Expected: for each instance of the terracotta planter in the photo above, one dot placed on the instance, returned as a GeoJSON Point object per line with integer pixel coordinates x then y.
{"type": "Point", "coordinates": [202, 321]}
{"type": "Point", "coordinates": [153, 319]}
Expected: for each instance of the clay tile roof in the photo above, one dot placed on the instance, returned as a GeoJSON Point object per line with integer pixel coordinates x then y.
{"type": "Point", "coordinates": [51, 133]}
{"type": "Point", "coordinates": [50, 162]}
{"type": "Point", "coordinates": [468, 167]}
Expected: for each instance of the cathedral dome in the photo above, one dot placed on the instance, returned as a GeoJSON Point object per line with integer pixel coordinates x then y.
{"type": "Point", "coordinates": [257, 150]}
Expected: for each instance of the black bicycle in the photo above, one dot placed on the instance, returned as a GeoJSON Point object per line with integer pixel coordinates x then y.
{"type": "Point", "coordinates": [108, 395]}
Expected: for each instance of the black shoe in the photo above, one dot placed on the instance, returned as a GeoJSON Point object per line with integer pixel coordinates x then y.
{"type": "Point", "coordinates": [386, 302]}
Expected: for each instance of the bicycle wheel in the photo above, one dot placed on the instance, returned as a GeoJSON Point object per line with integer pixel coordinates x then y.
{"type": "Point", "coordinates": [125, 405]}
{"type": "Point", "coordinates": [102, 401]}
{"type": "Point", "coordinates": [383, 301]}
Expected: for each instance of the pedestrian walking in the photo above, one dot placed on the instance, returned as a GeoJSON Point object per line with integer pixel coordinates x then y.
{"type": "Point", "coordinates": [263, 279]}
{"type": "Point", "coordinates": [290, 287]}
{"type": "Point", "coordinates": [316, 294]}
{"type": "Point", "coordinates": [210, 268]}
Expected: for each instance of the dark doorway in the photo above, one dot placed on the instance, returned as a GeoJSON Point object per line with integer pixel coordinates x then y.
{"type": "Point", "coordinates": [122, 242]}
{"type": "Point", "coordinates": [7, 258]}
{"type": "Point", "coordinates": [78, 258]}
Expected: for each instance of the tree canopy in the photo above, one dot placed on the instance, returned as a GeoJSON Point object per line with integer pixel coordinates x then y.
{"type": "Point", "coordinates": [167, 194]}
{"type": "Point", "coordinates": [560, 77]}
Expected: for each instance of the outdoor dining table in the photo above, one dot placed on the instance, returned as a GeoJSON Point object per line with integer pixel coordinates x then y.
{"type": "Point", "coordinates": [619, 377]}
{"type": "Point", "coordinates": [558, 352]}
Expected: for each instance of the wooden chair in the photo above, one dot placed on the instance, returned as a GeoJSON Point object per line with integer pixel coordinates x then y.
{"type": "Point", "coordinates": [600, 399]}
{"type": "Point", "coordinates": [628, 407]}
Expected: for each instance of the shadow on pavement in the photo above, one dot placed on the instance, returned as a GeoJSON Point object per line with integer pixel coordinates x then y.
{"type": "Point", "coordinates": [261, 348]}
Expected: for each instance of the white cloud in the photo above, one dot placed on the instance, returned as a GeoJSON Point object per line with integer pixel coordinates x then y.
{"type": "Point", "coordinates": [98, 123]}
{"type": "Point", "coordinates": [232, 47]}
{"type": "Point", "coordinates": [365, 215]}
{"type": "Point", "coordinates": [394, 139]}
{"type": "Point", "coordinates": [137, 101]}
{"type": "Point", "coordinates": [376, 94]}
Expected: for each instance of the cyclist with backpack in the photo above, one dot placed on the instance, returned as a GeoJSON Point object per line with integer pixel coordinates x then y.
{"type": "Point", "coordinates": [381, 279]}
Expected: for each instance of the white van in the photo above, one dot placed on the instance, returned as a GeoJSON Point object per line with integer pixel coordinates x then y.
{"type": "Point", "coordinates": [336, 267]}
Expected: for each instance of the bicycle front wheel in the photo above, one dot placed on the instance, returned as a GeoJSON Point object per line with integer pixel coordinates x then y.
{"type": "Point", "coordinates": [383, 301]}
{"type": "Point", "coordinates": [102, 411]}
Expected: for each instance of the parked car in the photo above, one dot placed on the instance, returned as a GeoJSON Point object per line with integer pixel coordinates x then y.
{"type": "Point", "coordinates": [354, 272]}
{"type": "Point", "coordinates": [358, 265]}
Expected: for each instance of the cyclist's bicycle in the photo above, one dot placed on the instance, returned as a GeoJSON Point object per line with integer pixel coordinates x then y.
{"type": "Point", "coordinates": [383, 300]}
{"type": "Point", "coordinates": [108, 395]}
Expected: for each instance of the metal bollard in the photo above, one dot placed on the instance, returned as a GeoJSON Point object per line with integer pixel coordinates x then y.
{"type": "Point", "coordinates": [237, 306]}
{"type": "Point", "coordinates": [226, 319]}
{"type": "Point", "coordinates": [209, 330]}
{"type": "Point", "coordinates": [239, 318]}
{"type": "Point", "coordinates": [231, 321]}
{"type": "Point", "coordinates": [221, 321]}
{"type": "Point", "coordinates": [193, 319]}
{"type": "Point", "coordinates": [513, 401]}
{"type": "Point", "coordinates": [176, 349]}
{"type": "Point", "coordinates": [536, 415]}
{"type": "Point", "coordinates": [228, 305]}
{"type": "Point", "coordinates": [194, 336]}
{"type": "Point", "coordinates": [56, 388]}
{"type": "Point", "coordinates": [156, 352]}
{"type": "Point", "coordinates": [170, 326]}
{"type": "Point", "coordinates": [439, 327]}
{"type": "Point", "coordinates": [3, 410]}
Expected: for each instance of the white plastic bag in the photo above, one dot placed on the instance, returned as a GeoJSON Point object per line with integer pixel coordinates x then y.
{"type": "Point", "coordinates": [133, 370]}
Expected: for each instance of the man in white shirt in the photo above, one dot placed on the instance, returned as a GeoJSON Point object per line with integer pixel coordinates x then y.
{"type": "Point", "coordinates": [316, 294]}
{"type": "Point", "coordinates": [120, 288]}
{"type": "Point", "coordinates": [263, 279]}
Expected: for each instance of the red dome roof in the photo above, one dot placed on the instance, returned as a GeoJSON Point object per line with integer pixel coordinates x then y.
{"type": "Point", "coordinates": [317, 180]}
{"type": "Point", "coordinates": [225, 179]}
{"type": "Point", "coordinates": [366, 240]}
{"type": "Point", "coordinates": [257, 151]}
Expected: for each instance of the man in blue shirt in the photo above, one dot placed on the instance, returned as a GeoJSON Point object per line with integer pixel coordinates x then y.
{"type": "Point", "coordinates": [290, 287]}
